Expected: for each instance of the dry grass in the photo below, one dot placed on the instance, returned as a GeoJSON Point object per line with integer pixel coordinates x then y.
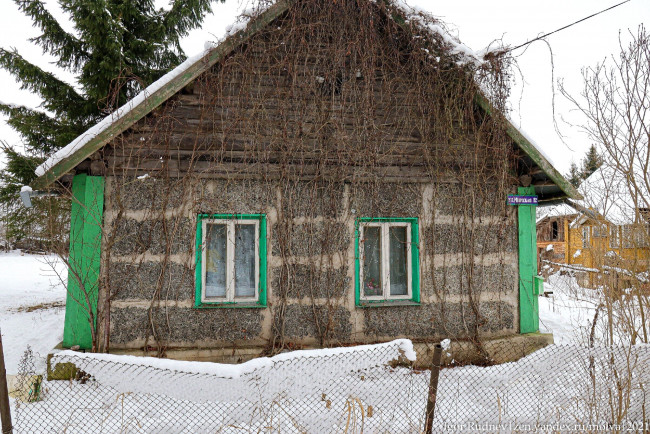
{"type": "Point", "coordinates": [41, 306]}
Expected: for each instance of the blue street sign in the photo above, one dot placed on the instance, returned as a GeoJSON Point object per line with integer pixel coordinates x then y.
{"type": "Point", "coordinates": [522, 200]}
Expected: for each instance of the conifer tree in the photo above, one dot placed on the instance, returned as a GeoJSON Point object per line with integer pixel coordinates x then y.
{"type": "Point", "coordinates": [575, 176]}
{"type": "Point", "coordinates": [118, 47]}
{"type": "Point", "coordinates": [591, 162]}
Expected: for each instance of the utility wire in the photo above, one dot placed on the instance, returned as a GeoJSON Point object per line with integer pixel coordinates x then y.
{"type": "Point", "coordinates": [566, 27]}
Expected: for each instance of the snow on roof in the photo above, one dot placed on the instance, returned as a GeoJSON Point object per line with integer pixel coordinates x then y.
{"type": "Point", "coordinates": [101, 126]}
{"type": "Point", "coordinates": [531, 141]}
{"type": "Point", "coordinates": [554, 211]}
{"type": "Point", "coordinates": [425, 20]}
{"type": "Point", "coordinates": [608, 192]}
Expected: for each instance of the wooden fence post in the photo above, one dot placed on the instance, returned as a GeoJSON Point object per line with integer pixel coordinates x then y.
{"type": "Point", "coordinates": [5, 412]}
{"type": "Point", "coordinates": [433, 389]}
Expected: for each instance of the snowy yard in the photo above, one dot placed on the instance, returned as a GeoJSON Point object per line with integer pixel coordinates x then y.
{"type": "Point", "coordinates": [32, 300]}
{"type": "Point", "coordinates": [558, 388]}
{"type": "Point", "coordinates": [337, 388]}
{"type": "Point", "coordinates": [568, 312]}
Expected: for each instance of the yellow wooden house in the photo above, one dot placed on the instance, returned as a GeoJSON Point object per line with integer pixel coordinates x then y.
{"type": "Point", "coordinates": [606, 236]}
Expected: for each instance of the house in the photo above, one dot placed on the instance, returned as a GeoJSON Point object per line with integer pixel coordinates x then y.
{"type": "Point", "coordinates": [331, 173]}
{"type": "Point", "coordinates": [605, 236]}
{"type": "Point", "coordinates": [553, 237]}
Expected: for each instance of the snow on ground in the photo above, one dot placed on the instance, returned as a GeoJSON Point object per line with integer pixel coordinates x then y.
{"type": "Point", "coordinates": [569, 311]}
{"type": "Point", "coordinates": [32, 306]}
{"type": "Point", "coordinates": [32, 313]}
{"type": "Point", "coordinates": [32, 310]}
{"type": "Point", "coordinates": [319, 391]}
{"type": "Point", "coordinates": [32, 300]}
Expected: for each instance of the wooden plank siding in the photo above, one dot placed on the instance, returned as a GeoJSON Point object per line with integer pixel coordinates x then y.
{"type": "Point", "coordinates": [241, 126]}
{"type": "Point", "coordinates": [159, 96]}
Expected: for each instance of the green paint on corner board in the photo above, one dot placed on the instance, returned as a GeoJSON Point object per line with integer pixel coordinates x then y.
{"type": "Point", "coordinates": [528, 302]}
{"type": "Point", "coordinates": [84, 261]}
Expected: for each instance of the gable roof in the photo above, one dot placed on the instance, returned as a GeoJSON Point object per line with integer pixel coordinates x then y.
{"type": "Point", "coordinates": [561, 210]}
{"type": "Point", "coordinates": [608, 197]}
{"type": "Point", "coordinates": [608, 192]}
{"type": "Point", "coordinates": [551, 185]}
{"type": "Point", "coordinates": [68, 157]}
{"type": "Point", "coordinates": [559, 186]}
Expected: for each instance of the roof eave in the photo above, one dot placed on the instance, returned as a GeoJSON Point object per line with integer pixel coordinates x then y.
{"type": "Point", "coordinates": [532, 152]}
{"type": "Point", "coordinates": [159, 96]}
{"type": "Point", "coordinates": [213, 56]}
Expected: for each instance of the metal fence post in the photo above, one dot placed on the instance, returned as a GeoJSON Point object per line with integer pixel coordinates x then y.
{"type": "Point", "coordinates": [433, 388]}
{"type": "Point", "coordinates": [5, 412]}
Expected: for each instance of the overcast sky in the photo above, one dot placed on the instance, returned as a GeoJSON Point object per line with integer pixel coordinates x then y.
{"type": "Point", "coordinates": [476, 23]}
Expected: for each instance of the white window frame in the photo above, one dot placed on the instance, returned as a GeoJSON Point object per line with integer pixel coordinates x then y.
{"type": "Point", "coordinates": [641, 235]}
{"type": "Point", "coordinates": [385, 261]}
{"type": "Point", "coordinates": [230, 261]}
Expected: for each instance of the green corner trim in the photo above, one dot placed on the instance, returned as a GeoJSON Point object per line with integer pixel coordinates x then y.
{"type": "Point", "coordinates": [530, 150]}
{"type": "Point", "coordinates": [263, 267]}
{"type": "Point", "coordinates": [415, 262]}
{"type": "Point", "coordinates": [86, 216]}
{"type": "Point", "coordinates": [160, 95]}
{"type": "Point", "coordinates": [528, 298]}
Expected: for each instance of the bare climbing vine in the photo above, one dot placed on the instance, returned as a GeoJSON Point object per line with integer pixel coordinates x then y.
{"type": "Point", "coordinates": [336, 110]}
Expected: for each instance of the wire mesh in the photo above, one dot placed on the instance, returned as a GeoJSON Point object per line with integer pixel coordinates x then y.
{"type": "Point", "coordinates": [558, 388]}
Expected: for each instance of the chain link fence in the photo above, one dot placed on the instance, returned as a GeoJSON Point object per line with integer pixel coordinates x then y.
{"type": "Point", "coordinates": [371, 389]}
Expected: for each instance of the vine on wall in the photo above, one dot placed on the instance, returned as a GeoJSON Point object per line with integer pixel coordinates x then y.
{"type": "Point", "coordinates": [336, 110]}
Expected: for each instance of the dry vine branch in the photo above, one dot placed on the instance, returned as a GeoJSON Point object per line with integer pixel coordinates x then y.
{"type": "Point", "coordinates": [334, 111]}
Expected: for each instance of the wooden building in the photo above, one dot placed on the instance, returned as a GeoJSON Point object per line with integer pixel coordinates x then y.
{"type": "Point", "coordinates": [553, 236]}
{"type": "Point", "coordinates": [604, 238]}
{"type": "Point", "coordinates": [329, 174]}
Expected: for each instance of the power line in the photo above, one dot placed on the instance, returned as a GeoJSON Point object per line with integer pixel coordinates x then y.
{"type": "Point", "coordinates": [566, 27]}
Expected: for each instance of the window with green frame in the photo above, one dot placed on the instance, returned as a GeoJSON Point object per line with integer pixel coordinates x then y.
{"type": "Point", "coordinates": [230, 260]}
{"type": "Point", "coordinates": [387, 260]}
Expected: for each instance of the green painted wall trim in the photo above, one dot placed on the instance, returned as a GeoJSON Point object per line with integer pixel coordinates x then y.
{"type": "Point", "coordinates": [86, 216]}
{"type": "Point", "coordinates": [528, 299]}
{"type": "Point", "coordinates": [415, 261]}
{"type": "Point", "coordinates": [263, 243]}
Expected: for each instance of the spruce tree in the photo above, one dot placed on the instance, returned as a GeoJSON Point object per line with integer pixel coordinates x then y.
{"type": "Point", "coordinates": [118, 47]}
{"type": "Point", "coordinates": [574, 175]}
{"type": "Point", "coordinates": [591, 162]}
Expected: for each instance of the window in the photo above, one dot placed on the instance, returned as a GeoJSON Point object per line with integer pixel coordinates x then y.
{"type": "Point", "coordinates": [613, 237]}
{"type": "Point", "coordinates": [230, 260]}
{"type": "Point", "coordinates": [599, 231]}
{"type": "Point", "coordinates": [585, 236]}
{"type": "Point", "coordinates": [627, 231]}
{"type": "Point", "coordinates": [387, 266]}
{"type": "Point", "coordinates": [554, 231]}
{"type": "Point", "coordinates": [635, 236]}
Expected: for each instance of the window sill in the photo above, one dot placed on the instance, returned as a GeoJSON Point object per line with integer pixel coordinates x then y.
{"type": "Point", "coordinates": [386, 303]}
{"type": "Point", "coordinates": [233, 305]}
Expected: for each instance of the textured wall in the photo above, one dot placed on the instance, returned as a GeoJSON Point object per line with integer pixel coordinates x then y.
{"type": "Point", "coordinates": [149, 265]}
